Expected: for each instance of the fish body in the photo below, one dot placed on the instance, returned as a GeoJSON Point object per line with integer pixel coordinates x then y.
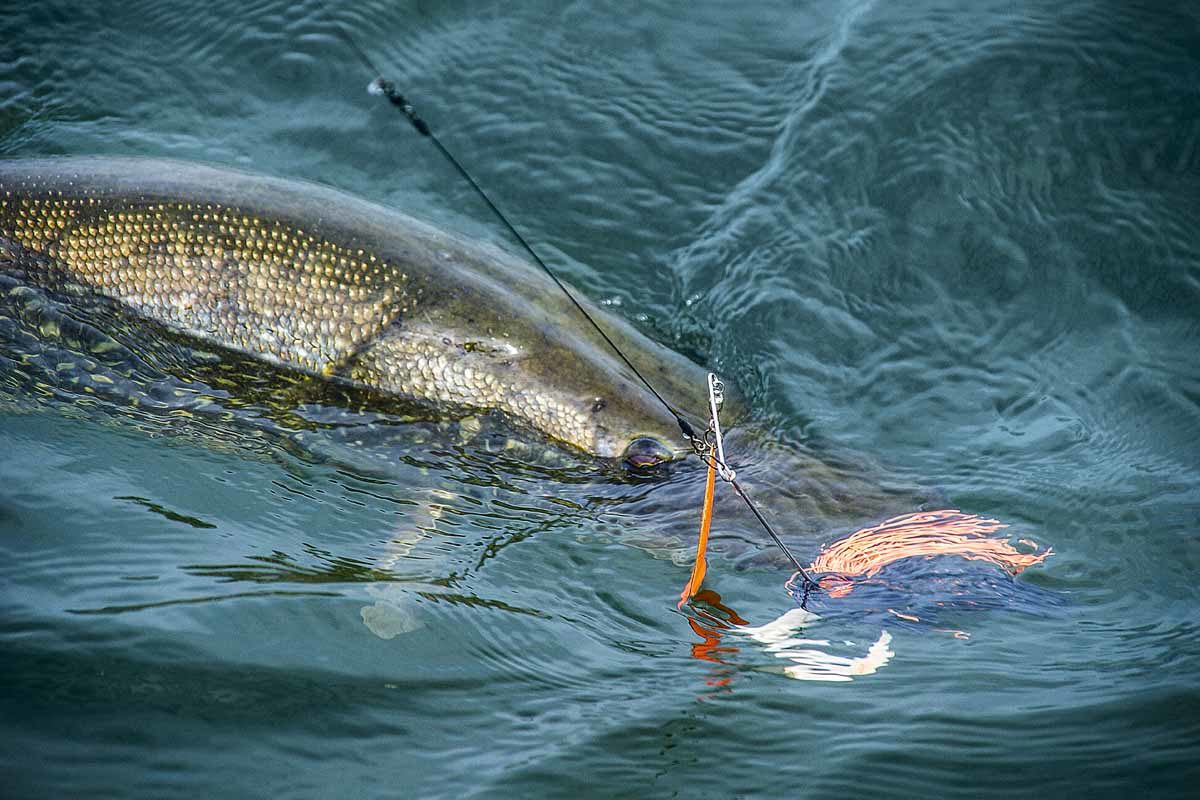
{"type": "Point", "coordinates": [316, 280]}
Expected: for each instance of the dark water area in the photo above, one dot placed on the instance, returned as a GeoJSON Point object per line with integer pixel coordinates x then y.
{"type": "Point", "coordinates": [943, 250]}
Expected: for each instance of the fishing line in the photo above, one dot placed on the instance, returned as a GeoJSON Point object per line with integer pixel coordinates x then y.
{"type": "Point", "coordinates": [386, 88]}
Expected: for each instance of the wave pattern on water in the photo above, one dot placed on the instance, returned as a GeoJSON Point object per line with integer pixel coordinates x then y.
{"type": "Point", "coordinates": [948, 253]}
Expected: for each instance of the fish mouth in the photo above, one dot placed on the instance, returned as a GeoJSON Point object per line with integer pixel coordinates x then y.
{"type": "Point", "coordinates": [644, 453]}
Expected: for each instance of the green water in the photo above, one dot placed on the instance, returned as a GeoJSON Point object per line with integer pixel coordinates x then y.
{"type": "Point", "coordinates": [951, 250]}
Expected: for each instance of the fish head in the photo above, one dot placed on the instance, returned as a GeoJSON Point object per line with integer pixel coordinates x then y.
{"type": "Point", "coordinates": [579, 393]}
{"type": "Point", "coordinates": [643, 426]}
{"type": "Point", "coordinates": [483, 328]}
{"type": "Point", "coordinates": [552, 379]}
{"type": "Point", "coordinates": [589, 395]}
{"type": "Point", "coordinates": [628, 424]}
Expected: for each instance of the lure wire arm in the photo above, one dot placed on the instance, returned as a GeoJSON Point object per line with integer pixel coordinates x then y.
{"type": "Point", "coordinates": [711, 449]}
{"type": "Point", "coordinates": [716, 398]}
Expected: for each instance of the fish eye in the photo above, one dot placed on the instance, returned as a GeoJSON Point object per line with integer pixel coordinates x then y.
{"type": "Point", "coordinates": [644, 452]}
{"type": "Point", "coordinates": [598, 404]}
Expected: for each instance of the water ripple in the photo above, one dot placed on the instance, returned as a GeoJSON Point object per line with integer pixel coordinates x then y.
{"type": "Point", "coordinates": [945, 251]}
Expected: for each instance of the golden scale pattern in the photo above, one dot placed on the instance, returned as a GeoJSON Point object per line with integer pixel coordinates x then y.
{"type": "Point", "coordinates": [275, 291]}
{"type": "Point", "coordinates": [429, 368]}
{"type": "Point", "coordinates": [258, 286]}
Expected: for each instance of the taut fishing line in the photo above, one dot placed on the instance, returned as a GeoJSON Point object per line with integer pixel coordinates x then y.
{"type": "Point", "coordinates": [384, 87]}
{"type": "Point", "coordinates": [700, 444]}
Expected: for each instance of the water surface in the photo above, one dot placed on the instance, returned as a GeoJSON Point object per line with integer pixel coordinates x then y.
{"type": "Point", "coordinates": [952, 251]}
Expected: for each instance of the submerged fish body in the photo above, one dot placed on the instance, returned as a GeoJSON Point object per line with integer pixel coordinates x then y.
{"type": "Point", "coordinates": [315, 280]}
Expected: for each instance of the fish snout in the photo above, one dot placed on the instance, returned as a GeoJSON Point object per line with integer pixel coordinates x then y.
{"type": "Point", "coordinates": [645, 452]}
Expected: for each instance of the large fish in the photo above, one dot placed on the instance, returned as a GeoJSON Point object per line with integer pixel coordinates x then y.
{"type": "Point", "coordinates": [318, 281]}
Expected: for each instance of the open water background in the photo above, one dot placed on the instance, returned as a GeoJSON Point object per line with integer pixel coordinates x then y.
{"type": "Point", "coordinates": [957, 239]}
